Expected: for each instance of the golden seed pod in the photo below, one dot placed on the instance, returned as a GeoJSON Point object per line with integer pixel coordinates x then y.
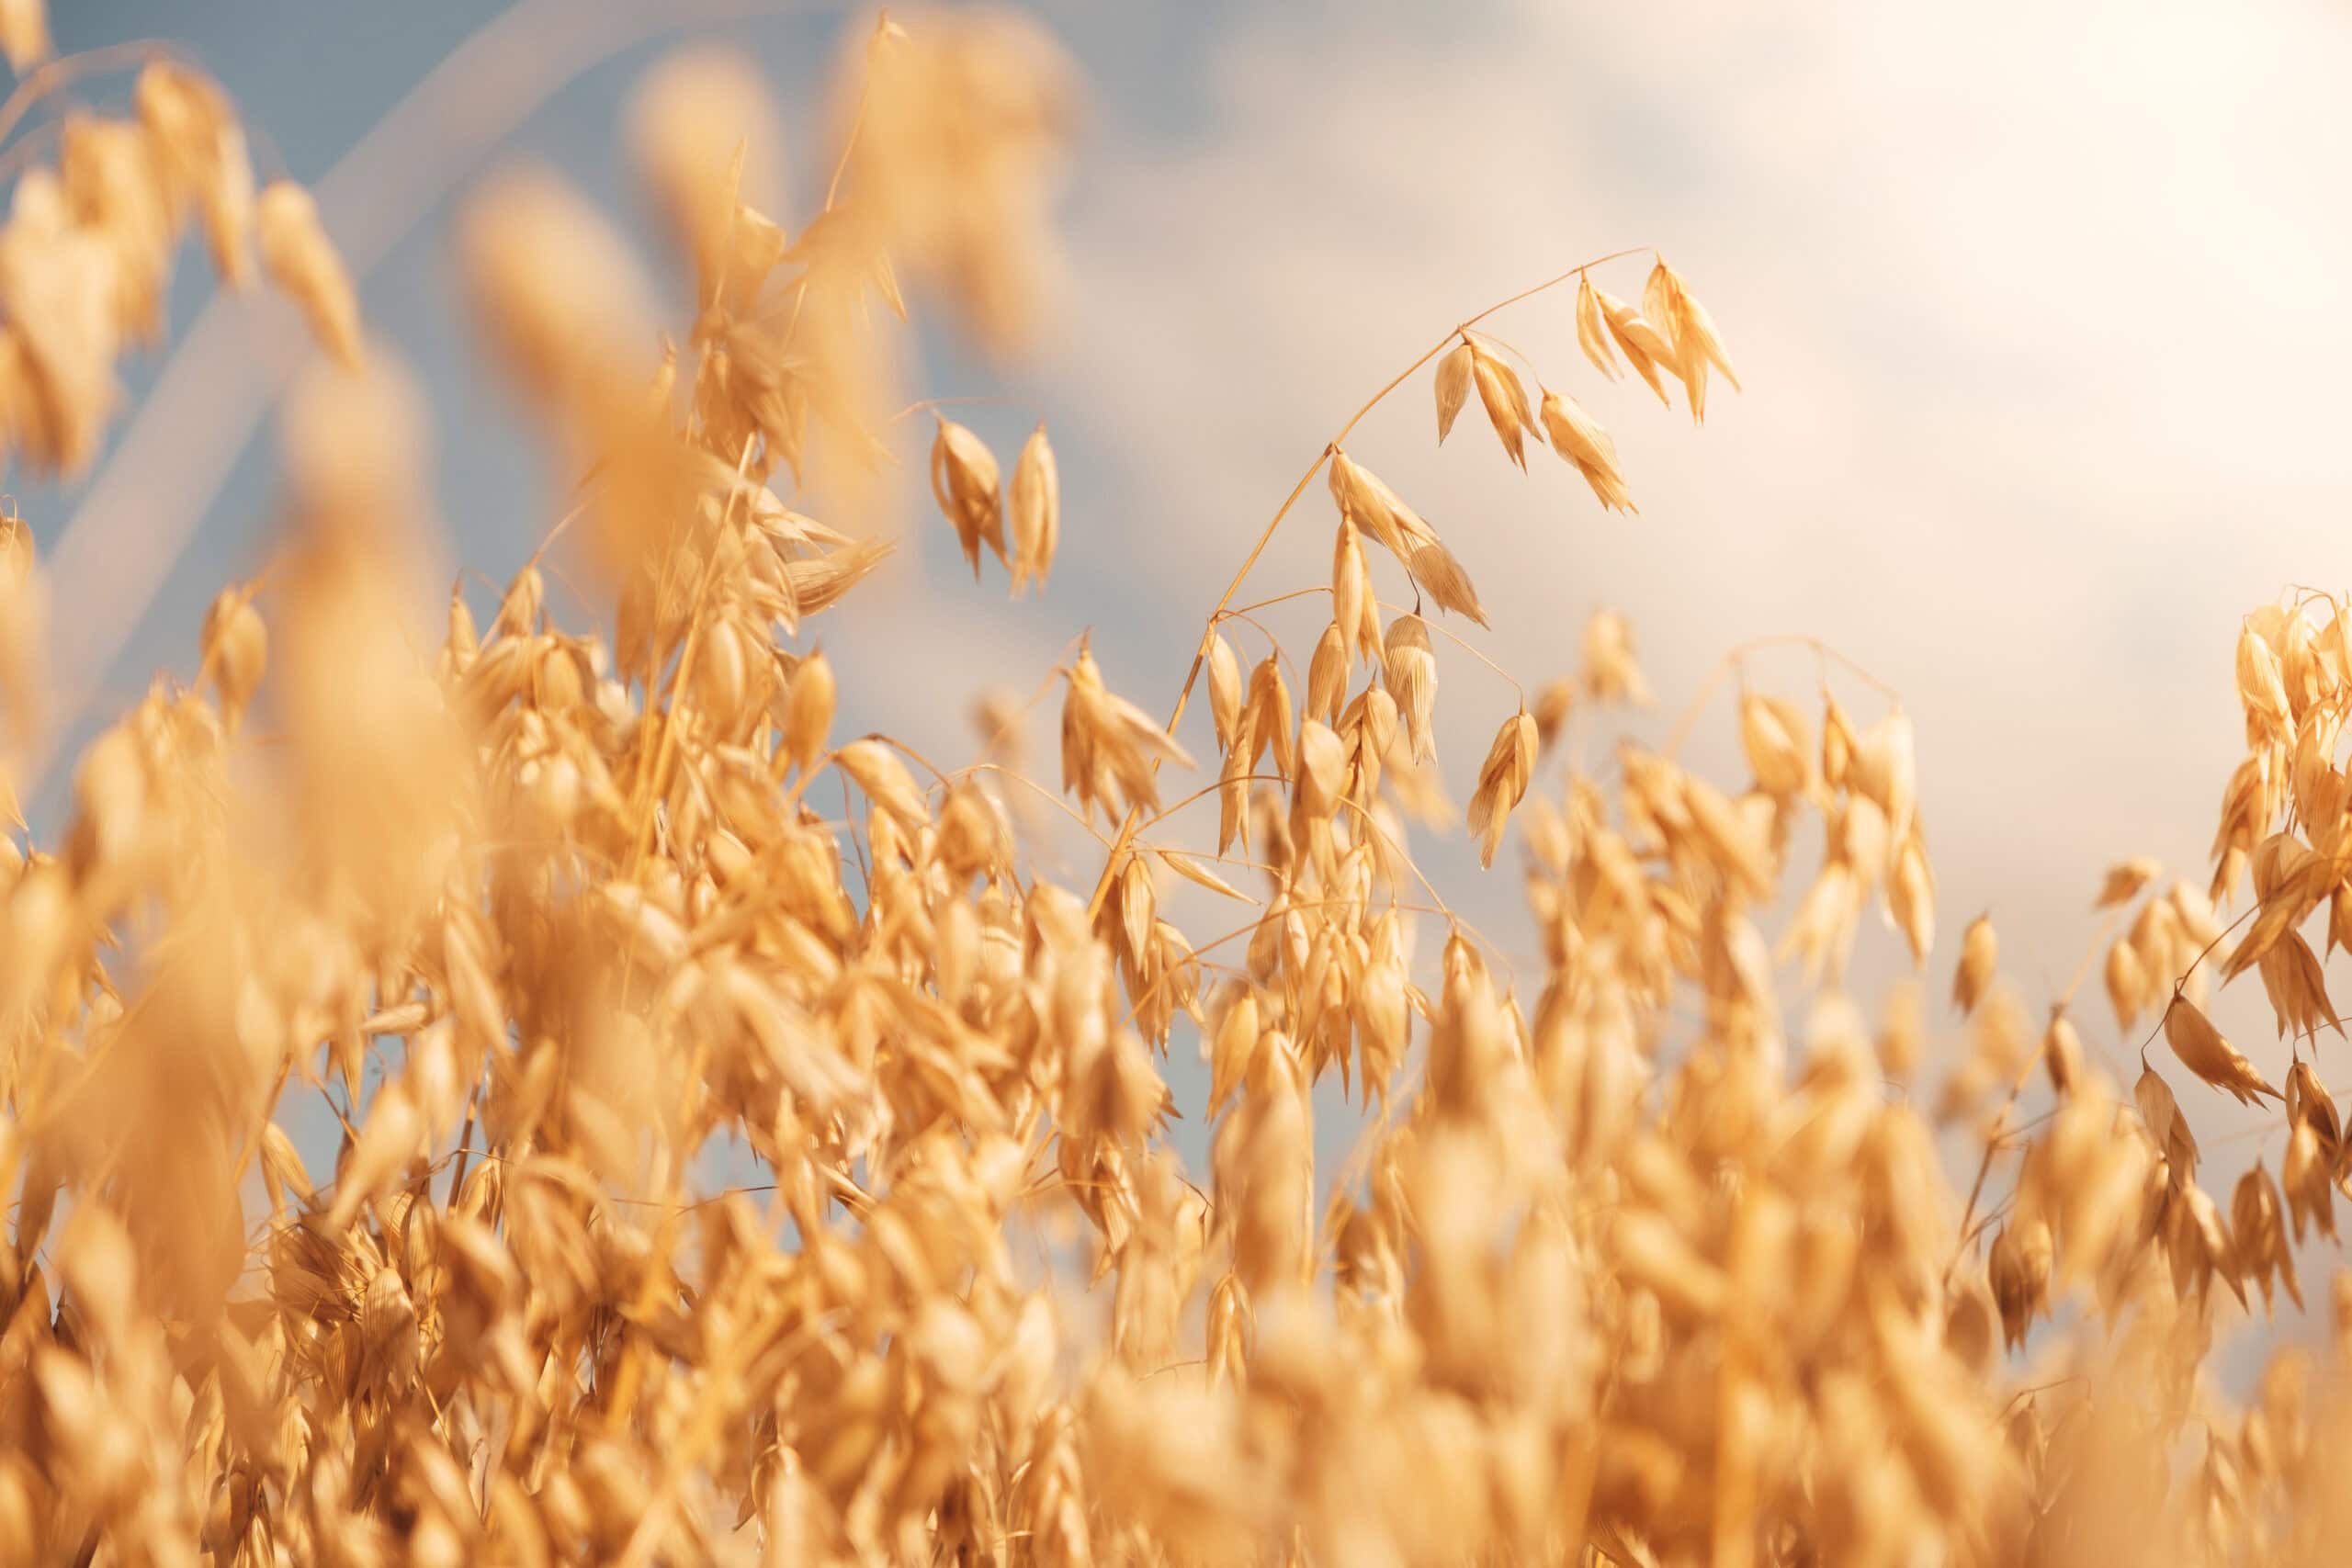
{"type": "Point", "coordinates": [1980, 953]}
{"type": "Point", "coordinates": [1502, 782]}
{"type": "Point", "coordinates": [236, 650]}
{"type": "Point", "coordinates": [1036, 512]}
{"type": "Point", "coordinates": [1409, 668]}
{"type": "Point", "coordinates": [1504, 397]}
{"type": "Point", "coordinates": [559, 295]}
{"type": "Point", "coordinates": [1667, 303]}
{"type": "Point", "coordinates": [2127, 984]}
{"type": "Point", "coordinates": [304, 263]}
{"type": "Point", "coordinates": [964, 481]}
{"type": "Point", "coordinates": [1553, 704]}
{"type": "Point", "coordinates": [2124, 881]}
{"type": "Point", "coordinates": [1225, 691]}
{"type": "Point", "coordinates": [808, 712]}
{"type": "Point", "coordinates": [1578, 438]}
{"type": "Point", "coordinates": [1772, 734]}
{"type": "Point", "coordinates": [2205, 1052]}
{"type": "Point", "coordinates": [201, 149]}
{"type": "Point", "coordinates": [1327, 674]}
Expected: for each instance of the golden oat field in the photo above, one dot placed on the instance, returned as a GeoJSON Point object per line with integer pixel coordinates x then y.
{"type": "Point", "coordinates": [1687, 1240]}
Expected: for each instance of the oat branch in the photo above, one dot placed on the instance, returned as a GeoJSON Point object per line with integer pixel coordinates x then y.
{"type": "Point", "coordinates": [1200, 656]}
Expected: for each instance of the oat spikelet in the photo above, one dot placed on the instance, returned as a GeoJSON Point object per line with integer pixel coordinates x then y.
{"type": "Point", "coordinates": [1554, 702]}
{"type": "Point", "coordinates": [1453, 386]}
{"type": "Point", "coordinates": [1592, 334]}
{"type": "Point", "coordinates": [1365, 500]}
{"type": "Point", "coordinates": [1980, 953]}
{"type": "Point", "coordinates": [956, 149]}
{"type": "Point", "coordinates": [237, 649]}
{"type": "Point", "coordinates": [1354, 608]}
{"type": "Point", "coordinates": [303, 264]}
{"type": "Point", "coordinates": [1639, 342]}
{"type": "Point", "coordinates": [707, 143]}
{"type": "Point", "coordinates": [1036, 513]}
{"type": "Point", "coordinates": [2124, 881]}
{"type": "Point", "coordinates": [875, 769]}
{"type": "Point", "coordinates": [575, 335]}
{"type": "Point", "coordinates": [1502, 781]}
{"type": "Point", "coordinates": [2127, 984]}
{"type": "Point", "coordinates": [2261, 689]}
{"type": "Point", "coordinates": [2061, 1054]}
{"type": "Point", "coordinates": [2167, 1129]}
{"type": "Point", "coordinates": [1581, 441]}
{"type": "Point", "coordinates": [964, 481]}
{"type": "Point", "coordinates": [1110, 747]}
{"type": "Point", "coordinates": [807, 711]}
{"type": "Point", "coordinates": [2309, 1102]}
{"type": "Point", "coordinates": [24, 33]}
{"type": "Point", "coordinates": [1327, 674]}
{"type": "Point", "coordinates": [2204, 1051]}
{"type": "Point", "coordinates": [57, 284]}
{"type": "Point", "coordinates": [1772, 734]}
{"type": "Point", "coordinates": [2258, 1232]}
{"type": "Point", "coordinates": [202, 150]}
{"type": "Point", "coordinates": [1668, 302]}
{"type": "Point", "coordinates": [2306, 1177]}
{"type": "Point", "coordinates": [1225, 691]}
{"type": "Point", "coordinates": [1911, 897]}
{"type": "Point", "coordinates": [1410, 666]}
{"type": "Point", "coordinates": [1505, 397]}
{"type": "Point", "coordinates": [1611, 672]}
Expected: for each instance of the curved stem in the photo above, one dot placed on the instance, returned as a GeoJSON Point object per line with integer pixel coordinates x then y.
{"type": "Point", "coordinates": [1239, 610]}
{"type": "Point", "coordinates": [1157, 817]}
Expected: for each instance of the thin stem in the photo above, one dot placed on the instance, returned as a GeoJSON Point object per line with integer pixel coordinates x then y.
{"type": "Point", "coordinates": [561, 525]}
{"type": "Point", "coordinates": [1239, 610]}
{"type": "Point", "coordinates": [1162, 814]}
{"type": "Point", "coordinates": [946, 782]}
